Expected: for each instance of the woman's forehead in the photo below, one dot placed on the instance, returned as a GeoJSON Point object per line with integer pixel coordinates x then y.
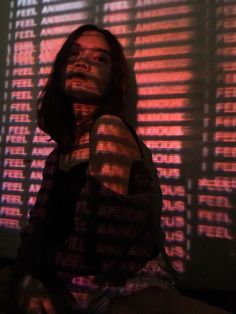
{"type": "Point", "coordinates": [92, 40]}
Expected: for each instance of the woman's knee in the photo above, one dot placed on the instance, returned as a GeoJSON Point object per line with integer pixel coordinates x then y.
{"type": "Point", "coordinates": [156, 301]}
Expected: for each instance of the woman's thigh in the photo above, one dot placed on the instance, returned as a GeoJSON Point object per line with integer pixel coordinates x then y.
{"type": "Point", "coordinates": [33, 297]}
{"type": "Point", "coordinates": [155, 301]}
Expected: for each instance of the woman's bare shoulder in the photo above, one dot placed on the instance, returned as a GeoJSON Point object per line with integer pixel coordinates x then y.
{"type": "Point", "coordinates": [110, 134]}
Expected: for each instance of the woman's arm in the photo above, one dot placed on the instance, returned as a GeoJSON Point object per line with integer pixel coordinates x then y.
{"type": "Point", "coordinates": [113, 150]}
{"type": "Point", "coordinates": [113, 233]}
{"type": "Point", "coordinates": [35, 249]}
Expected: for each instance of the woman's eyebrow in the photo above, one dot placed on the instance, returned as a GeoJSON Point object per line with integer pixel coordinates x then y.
{"type": "Point", "coordinates": [92, 49]}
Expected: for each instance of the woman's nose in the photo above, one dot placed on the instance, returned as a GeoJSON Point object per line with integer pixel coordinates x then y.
{"type": "Point", "coordinates": [82, 64]}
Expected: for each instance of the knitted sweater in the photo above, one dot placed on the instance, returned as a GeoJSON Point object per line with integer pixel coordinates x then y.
{"type": "Point", "coordinates": [78, 228]}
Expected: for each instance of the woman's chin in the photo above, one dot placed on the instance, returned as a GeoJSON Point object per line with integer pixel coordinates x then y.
{"type": "Point", "coordinates": [83, 94]}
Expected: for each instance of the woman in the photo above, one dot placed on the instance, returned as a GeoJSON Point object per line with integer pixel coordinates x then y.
{"type": "Point", "coordinates": [93, 243]}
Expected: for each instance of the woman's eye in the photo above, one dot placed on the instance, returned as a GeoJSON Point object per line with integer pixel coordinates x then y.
{"type": "Point", "coordinates": [75, 52]}
{"type": "Point", "coordinates": [100, 59]}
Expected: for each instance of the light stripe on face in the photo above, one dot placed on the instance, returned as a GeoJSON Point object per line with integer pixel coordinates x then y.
{"type": "Point", "coordinates": [88, 70]}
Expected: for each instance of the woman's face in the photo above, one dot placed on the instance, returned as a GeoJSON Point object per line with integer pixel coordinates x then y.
{"type": "Point", "coordinates": [88, 69]}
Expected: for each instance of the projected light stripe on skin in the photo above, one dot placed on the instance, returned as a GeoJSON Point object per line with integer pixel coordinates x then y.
{"type": "Point", "coordinates": [111, 161]}
{"type": "Point", "coordinates": [88, 69]}
{"type": "Point", "coordinates": [119, 149]}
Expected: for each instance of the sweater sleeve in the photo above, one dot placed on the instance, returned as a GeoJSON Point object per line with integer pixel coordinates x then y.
{"type": "Point", "coordinates": [35, 253]}
{"type": "Point", "coordinates": [113, 236]}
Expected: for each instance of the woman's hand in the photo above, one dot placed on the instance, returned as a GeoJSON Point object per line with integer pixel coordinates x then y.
{"type": "Point", "coordinates": [34, 297]}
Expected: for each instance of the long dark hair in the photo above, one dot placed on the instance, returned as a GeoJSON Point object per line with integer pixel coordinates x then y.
{"type": "Point", "coordinates": [54, 108]}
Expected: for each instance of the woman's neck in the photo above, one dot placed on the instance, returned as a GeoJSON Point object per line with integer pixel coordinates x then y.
{"type": "Point", "coordinates": [83, 111]}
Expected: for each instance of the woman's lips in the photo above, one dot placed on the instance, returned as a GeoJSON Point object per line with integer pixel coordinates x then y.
{"type": "Point", "coordinates": [76, 75]}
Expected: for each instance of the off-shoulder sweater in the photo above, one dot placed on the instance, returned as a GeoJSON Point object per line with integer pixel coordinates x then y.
{"type": "Point", "coordinates": [79, 228]}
